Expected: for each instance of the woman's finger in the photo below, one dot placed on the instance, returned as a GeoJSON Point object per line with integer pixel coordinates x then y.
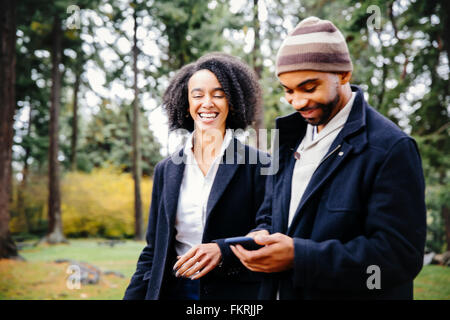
{"type": "Point", "coordinates": [204, 271]}
{"type": "Point", "coordinates": [188, 255]}
{"type": "Point", "coordinates": [199, 265]}
{"type": "Point", "coordinates": [186, 266]}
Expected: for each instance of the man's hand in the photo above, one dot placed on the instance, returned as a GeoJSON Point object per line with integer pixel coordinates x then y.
{"type": "Point", "coordinates": [277, 254]}
{"type": "Point", "coordinates": [258, 233]}
{"type": "Point", "coordinates": [201, 258]}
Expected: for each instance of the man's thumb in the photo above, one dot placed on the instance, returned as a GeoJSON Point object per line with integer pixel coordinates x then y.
{"type": "Point", "coordinates": [266, 239]}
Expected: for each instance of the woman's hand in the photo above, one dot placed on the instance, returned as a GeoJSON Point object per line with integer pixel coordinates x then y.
{"type": "Point", "coordinates": [202, 259]}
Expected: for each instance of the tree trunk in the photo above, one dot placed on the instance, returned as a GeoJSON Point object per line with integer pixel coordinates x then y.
{"type": "Point", "coordinates": [446, 216]}
{"type": "Point", "coordinates": [7, 107]}
{"type": "Point", "coordinates": [446, 23]}
{"type": "Point", "coordinates": [55, 233]}
{"type": "Point", "coordinates": [21, 206]}
{"type": "Point", "coordinates": [256, 61]}
{"type": "Point", "coordinates": [73, 145]}
{"type": "Point", "coordinates": [137, 170]}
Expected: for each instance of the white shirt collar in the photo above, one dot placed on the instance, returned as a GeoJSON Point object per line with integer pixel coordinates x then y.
{"type": "Point", "coordinates": [338, 121]}
{"type": "Point", "coordinates": [226, 142]}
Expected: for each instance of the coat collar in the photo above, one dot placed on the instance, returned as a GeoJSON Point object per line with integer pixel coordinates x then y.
{"type": "Point", "coordinates": [174, 171]}
{"type": "Point", "coordinates": [351, 139]}
{"type": "Point", "coordinates": [173, 176]}
{"type": "Point", "coordinates": [292, 128]}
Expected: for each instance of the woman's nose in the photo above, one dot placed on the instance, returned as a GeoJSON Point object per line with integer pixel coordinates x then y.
{"type": "Point", "coordinates": [207, 102]}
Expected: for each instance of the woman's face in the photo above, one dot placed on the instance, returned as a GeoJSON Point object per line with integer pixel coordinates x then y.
{"type": "Point", "coordinates": [208, 105]}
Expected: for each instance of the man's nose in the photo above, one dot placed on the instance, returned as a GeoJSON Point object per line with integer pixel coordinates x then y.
{"type": "Point", "coordinates": [299, 103]}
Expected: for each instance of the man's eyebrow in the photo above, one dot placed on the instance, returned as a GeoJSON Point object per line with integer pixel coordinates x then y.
{"type": "Point", "coordinates": [301, 84]}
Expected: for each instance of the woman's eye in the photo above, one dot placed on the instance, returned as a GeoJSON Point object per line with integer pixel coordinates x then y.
{"type": "Point", "coordinates": [219, 96]}
{"type": "Point", "coordinates": [288, 91]}
{"type": "Point", "coordinates": [310, 89]}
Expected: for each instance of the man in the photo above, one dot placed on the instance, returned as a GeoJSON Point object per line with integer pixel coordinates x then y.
{"type": "Point", "coordinates": [346, 210]}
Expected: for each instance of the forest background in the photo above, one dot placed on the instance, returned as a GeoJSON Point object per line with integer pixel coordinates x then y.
{"type": "Point", "coordinates": [81, 120]}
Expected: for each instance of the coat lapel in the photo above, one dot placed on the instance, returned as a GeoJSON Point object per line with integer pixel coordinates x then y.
{"type": "Point", "coordinates": [173, 176]}
{"type": "Point", "coordinates": [321, 175]}
{"type": "Point", "coordinates": [225, 172]}
{"type": "Point", "coordinates": [291, 130]}
{"type": "Point", "coordinates": [351, 139]}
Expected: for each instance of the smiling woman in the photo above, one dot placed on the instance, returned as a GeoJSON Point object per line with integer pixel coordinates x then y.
{"type": "Point", "coordinates": [200, 202]}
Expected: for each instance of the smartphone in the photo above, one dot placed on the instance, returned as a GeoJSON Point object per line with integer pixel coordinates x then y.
{"type": "Point", "coordinates": [246, 242]}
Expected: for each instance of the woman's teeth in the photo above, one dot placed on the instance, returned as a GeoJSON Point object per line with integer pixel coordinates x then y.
{"type": "Point", "coordinates": [208, 115]}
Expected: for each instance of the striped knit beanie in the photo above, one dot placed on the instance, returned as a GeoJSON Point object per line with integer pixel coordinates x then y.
{"type": "Point", "coordinates": [314, 44]}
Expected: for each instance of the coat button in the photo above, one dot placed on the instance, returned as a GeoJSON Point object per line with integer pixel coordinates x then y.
{"type": "Point", "coordinates": [341, 154]}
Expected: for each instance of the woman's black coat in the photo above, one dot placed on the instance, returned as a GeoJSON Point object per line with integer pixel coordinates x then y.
{"type": "Point", "coordinates": [235, 197]}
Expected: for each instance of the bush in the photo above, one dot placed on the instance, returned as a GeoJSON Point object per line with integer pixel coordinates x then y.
{"type": "Point", "coordinates": [96, 204]}
{"type": "Point", "coordinates": [436, 197]}
{"type": "Point", "coordinates": [101, 203]}
{"type": "Point", "coordinates": [32, 217]}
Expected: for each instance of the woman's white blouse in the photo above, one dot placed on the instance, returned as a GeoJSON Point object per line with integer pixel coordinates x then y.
{"type": "Point", "coordinates": [193, 199]}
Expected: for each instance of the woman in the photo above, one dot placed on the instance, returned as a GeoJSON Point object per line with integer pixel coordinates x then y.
{"type": "Point", "coordinates": [214, 193]}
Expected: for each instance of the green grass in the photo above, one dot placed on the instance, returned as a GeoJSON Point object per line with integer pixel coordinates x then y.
{"type": "Point", "coordinates": [39, 277]}
{"type": "Point", "coordinates": [432, 283]}
{"type": "Point", "coordinates": [122, 257]}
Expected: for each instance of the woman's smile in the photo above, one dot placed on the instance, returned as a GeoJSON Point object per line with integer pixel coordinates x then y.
{"type": "Point", "coordinates": [208, 116]}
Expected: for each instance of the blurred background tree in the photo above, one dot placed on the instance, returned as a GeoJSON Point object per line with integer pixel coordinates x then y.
{"type": "Point", "coordinates": [116, 63]}
{"type": "Point", "coordinates": [7, 108]}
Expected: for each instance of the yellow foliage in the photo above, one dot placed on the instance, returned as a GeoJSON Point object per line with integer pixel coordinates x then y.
{"type": "Point", "coordinates": [41, 28]}
{"type": "Point", "coordinates": [101, 203]}
{"type": "Point", "coordinates": [35, 199]}
{"type": "Point", "coordinates": [72, 34]}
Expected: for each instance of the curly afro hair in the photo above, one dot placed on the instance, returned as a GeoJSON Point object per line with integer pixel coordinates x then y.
{"type": "Point", "coordinates": [238, 80]}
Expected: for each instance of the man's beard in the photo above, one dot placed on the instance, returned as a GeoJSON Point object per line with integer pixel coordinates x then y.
{"type": "Point", "coordinates": [327, 110]}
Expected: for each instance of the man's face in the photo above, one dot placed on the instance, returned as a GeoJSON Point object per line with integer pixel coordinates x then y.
{"type": "Point", "coordinates": [315, 95]}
